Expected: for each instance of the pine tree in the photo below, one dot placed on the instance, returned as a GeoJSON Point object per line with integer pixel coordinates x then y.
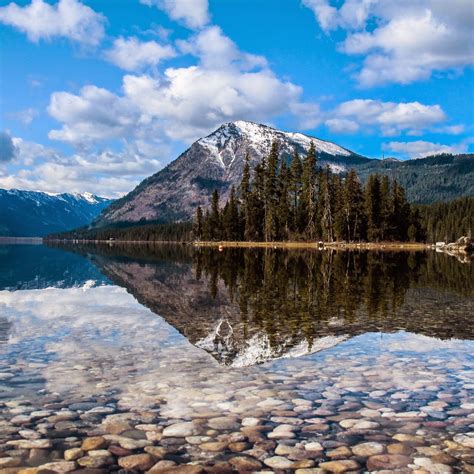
{"type": "Point", "coordinates": [296, 171]}
{"type": "Point", "coordinates": [372, 208]}
{"type": "Point", "coordinates": [353, 208]}
{"type": "Point", "coordinates": [270, 193]}
{"type": "Point", "coordinates": [308, 192]}
{"type": "Point", "coordinates": [198, 224]}
{"type": "Point", "coordinates": [283, 211]}
{"type": "Point", "coordinates": [400, 212]}
{"type": "Point", "coordinates": [215, 217]}
{"type": "Point", "coordinates": [386, 223]}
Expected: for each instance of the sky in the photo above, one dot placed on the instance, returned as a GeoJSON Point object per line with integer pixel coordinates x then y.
{"type": "Point", "coordinates": [98, 94]}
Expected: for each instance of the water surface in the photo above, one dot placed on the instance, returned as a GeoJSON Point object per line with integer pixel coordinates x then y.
{"type": "Point", "coordinates": [260, 353]}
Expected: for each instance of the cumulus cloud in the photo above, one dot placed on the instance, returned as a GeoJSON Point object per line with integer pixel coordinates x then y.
{"type": "Point", "coordinates": [106, 173]}
{"type": "Point", "coordinates": [68, 19]}
{"type": "Point", "coordinates": [193, 13]}
{"type": "Point", "coordinates": [420, 148]}
{"type": "Point", "coordinates": [132, 54]}
{"type": "Point", "coordinates": [7, 147]}
{"type": "Point", "coordinates": [390, 117]}
{"type": "Point", "coordinates": [402, 41]}
{"type": "Point", "coordinates": [94, 114]}
{"type": "Point", "coordinates": [181, 103]}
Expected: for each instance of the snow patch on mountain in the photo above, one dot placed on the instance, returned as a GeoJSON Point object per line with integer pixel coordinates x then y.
{"type": "Point", "coordinates": [223, 343]}
{"type": "Point", "coordinates": [225, 140]}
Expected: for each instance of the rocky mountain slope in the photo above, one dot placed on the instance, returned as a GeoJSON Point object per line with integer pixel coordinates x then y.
{"type": "Point", "coordinates": [35, 214]}
{"type": "Point", "coordinates": [214, 162]}
{"type": "Point", "coordinates": [217, 161]}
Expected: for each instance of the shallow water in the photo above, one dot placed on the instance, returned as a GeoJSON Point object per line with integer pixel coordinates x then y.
{"type": "Point", "coordinates": [236, 360]}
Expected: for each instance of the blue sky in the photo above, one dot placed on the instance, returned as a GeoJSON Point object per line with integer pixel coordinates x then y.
{"type": "Point", "coordinates": [96, 95]}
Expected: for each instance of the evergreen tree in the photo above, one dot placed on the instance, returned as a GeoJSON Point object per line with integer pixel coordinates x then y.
{"type": "Point", "coordinates": [400, 213]}
{"type": "Point", "coordinates": [198, 224]}
{"type": "Point", "coordinates": [283, 211]}
{"type": "Point", "coordinates": [372, 208]}
{"type": "Point", "coordinates": [352, 209]}
{"type": "Point", "coordinates": [296, 171]}
{"type": "Point", "coordinates": [386, 223]}
{"type": "Point", "coordinates": [308, 192]}
{"type": "Point", "coordinates": [270, 193]}
{"type": "Point", "coordinates": [215, 217]}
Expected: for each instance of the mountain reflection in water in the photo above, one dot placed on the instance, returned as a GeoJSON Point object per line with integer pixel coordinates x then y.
{"type": "Point", "coordinates": [248, 306]}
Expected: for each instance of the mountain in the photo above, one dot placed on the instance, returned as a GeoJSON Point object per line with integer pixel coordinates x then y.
{"type": "Point", "coordinates": [215, 162]}
{"type": "Point", "coordinates": [36, 214]}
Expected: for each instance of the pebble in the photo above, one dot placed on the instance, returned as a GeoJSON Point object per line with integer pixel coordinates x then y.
{"type": "Point", "coordinates": [340, 466]}
{"type": "Point", "coordinates": [141, 462]}
{"type": "Point", "coordinates": [181, 429]}
{"type": "Point", "coordinates": [278, 462]}
{"type": "Point", "coordinates": [368, 449]}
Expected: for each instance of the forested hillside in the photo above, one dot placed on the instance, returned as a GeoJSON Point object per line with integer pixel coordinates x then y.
{"type": "Point", "coordinates": [447, 221]}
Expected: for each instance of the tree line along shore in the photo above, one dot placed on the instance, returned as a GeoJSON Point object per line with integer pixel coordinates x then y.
{"type": "Point", "coordinates": [295, 202]}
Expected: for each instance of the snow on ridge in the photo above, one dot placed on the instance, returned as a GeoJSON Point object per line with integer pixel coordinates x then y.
{"type": "Point", "coordinates": [259, 350]}
{"type": "Point", "coordinates": [260, 137]}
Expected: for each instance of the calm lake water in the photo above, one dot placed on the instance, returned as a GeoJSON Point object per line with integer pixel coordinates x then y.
{"type": "Point", "coordinates": [180, 360]}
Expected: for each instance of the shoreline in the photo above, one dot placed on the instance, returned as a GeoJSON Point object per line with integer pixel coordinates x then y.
{"type": "Point", "coordinates": [321, 246]}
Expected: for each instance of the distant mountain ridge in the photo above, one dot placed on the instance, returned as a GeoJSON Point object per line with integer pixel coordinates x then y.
{"type": "Point", "coordinates": [36, 214]}
{"type": "Point", "coordinates": [217, 161]}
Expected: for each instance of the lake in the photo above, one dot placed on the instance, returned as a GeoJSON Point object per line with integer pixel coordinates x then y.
{"type": "Point", "coordinates": [173, 359]}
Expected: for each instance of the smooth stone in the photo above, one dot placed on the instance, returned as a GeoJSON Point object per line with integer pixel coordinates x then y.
{"type": "Point", "coordinates": [411, 440]}
{"type": "Point", "coordinates": [465, 440]}
{"type": "Point", "coordinates": [213, 446]}
{"type": "Point", "coordinates": [161, 466]}
{"type": "Point", "coordinates": [223, 423]}
{"type": "Point", "coordinates": [432, 467]}
{"type": "Point", "coordinates": [340, 466]}
{"type": "Point", "coordinates": [250, 421]}
{"type": "Point", "coordinates": [313, 446]}
{"type": "Point", "coordinates": [399, 448]}
{"type": "Point", "coordinates": [239, 446]}
{"type": "Point", "coordinates": [128, 443]}
{"type": "Point", "coordinates": [73, 454]}
{"type": "Point", "coordinates": [10, 462]}
{"type": "Point", "coordinates": [312, 470]}
{"type": "Point", "coordinates": [368, 449]}
{"type": "Point", "coordinates": [141, 462]}
{"type": "Point", "coordinates": [245, 464]}
{"type": "Point", "coordinates": [157, 452]}
{"type": "Point", "coordinates": [278, 462]}
{"type": "Point", "coordinates": [342, 452]}
{"type": "Point", "coordinates": [181, 430]}
{"type": "Point", "coordinates": [96, 442]}
{"type": "Point", "coordinates": [95, 461]}
{"type": "Point", "coordinates": [387, 461]}
{"type": "Point", "coordinates": [31, 443]}
{"type": "Point", "coordinates": [60, 466]}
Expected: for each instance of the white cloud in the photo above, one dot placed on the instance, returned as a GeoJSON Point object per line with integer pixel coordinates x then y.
{"type": "Point", "coordinates": [132, 54]}
{"type": "Point", "coordinates": [337, 125]}
{"type": "Point", "coordinates": [420, 148]}
{"type": "Point", "coordinates": [182, 103]}
{"type": "Point", "coordinates": [217, 51]}
{"type": "Point", "coordinates": [94, 115]}
{"type": "Point", "coordinates": [8, 149]}
{"type": "Point", "coordinates": [402, 41]}
{"type": "Point", "coordinates": [25, 116]}
{"type": "Point", "coordinates": [193, 13]}
{"type": "Point", "coordinates": [68, 19]}
{"type": "Point", "coordinates": [390, 117]}
{"type": "Point", "coordinates": [105, 173]}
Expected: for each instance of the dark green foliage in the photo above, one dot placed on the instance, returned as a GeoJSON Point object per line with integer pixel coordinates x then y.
{"type": "Point", "coordinates": [427, 180]}
{"type": "Point", "coordinates": [301, 203]}
{"type": "Point", "coordinates": [178, 231]}
{"type": "Point", "coordinates": [447, 221]}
